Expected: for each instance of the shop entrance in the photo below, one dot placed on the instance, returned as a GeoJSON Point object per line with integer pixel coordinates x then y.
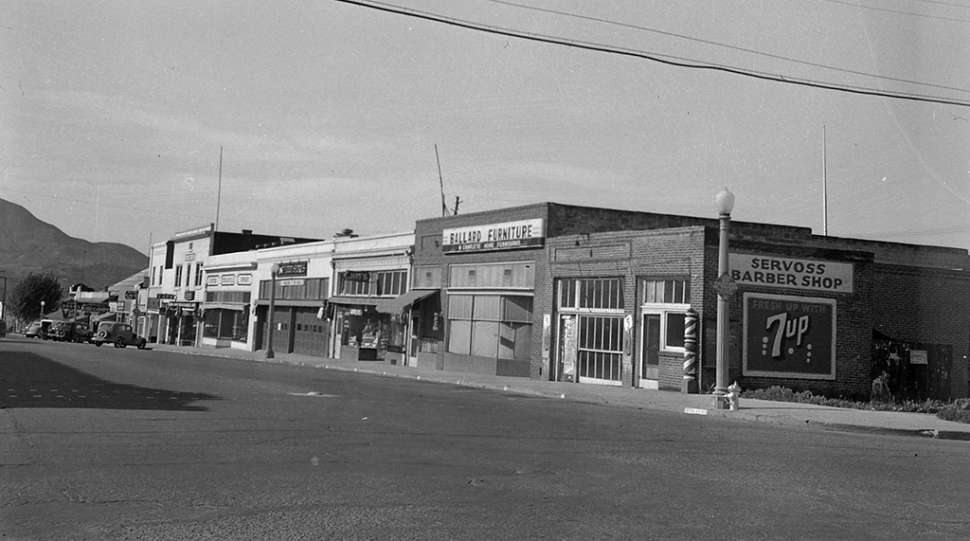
{"type": "Point", "coordinates": [591, 348]}
{"type": "Point", "coordinates": [650, 354]}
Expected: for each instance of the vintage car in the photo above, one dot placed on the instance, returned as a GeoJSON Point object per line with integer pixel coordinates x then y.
{"type": "Point", "coordinates": [71, 331]}
{"type": "Point", "coordinates": [119, 334]}
{"type": "Point", "coordinates": [37, 329]}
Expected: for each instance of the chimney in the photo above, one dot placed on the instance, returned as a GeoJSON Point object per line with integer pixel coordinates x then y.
{"type": "Point", "coordinates": [247, 231]}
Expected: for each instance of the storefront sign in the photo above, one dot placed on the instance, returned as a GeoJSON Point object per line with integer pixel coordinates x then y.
{"type": "Point", "coordinates": [757, 270]}
{"type": "Point", "coordinates": [918, 356]}
{"type": "Point", "coordinates": [131, 294]}
{"type": "Point", "coordinates": [228, 279]}
{"type": "Point", "coordinates": [502, 236]}
{"type": "Point", "coordinates": [245, 279]}
{"type": "Point", "coordinates": [212, 281]}
{"type": "Point", "coordinates": [189, 295]}
{"type": "Point", "coordinates": [789, 337]}
{"type": "Point", "coordinates": [298, 282]}
{"type": "Point", "coordinates": [357, 276]}
{"type": "Point", "coordinates": [165, 296]}
{"type": "Point", "coordinates": [190, 256]}
{"type": "Point", "coordinates": [297, 268]}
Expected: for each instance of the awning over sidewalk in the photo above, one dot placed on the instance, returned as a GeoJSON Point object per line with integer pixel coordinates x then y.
{"type": "Point", "coordinates": [384, 305]}
{"type": "Point", "coordinates": [400, 303]}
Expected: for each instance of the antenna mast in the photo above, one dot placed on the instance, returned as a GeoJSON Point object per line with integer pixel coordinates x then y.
{"type": "Point", "coordinates": [441, 180]}
{"type": "Point", "coordinates": [219, 194]}
{"type": "Point", "coordinates": [825, 190]}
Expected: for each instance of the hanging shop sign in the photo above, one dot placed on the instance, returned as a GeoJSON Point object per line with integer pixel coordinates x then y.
{"type": "Point", "coordinates": [131, 295]}
{"type": "Point", "coordinates": [493, 237]}
{"type": "Point", "coordinates": [806, 274]}
{"type": "Point", "coordinates": [296, 268]}
{"type": "Point", "coordinates": [788, 336]}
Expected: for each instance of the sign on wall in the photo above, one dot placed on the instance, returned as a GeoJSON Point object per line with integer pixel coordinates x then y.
{"type": "Point", "coordinates": [296, 268]}
{"type": "Point", "coordinates": [816, 275]}
{"type": "Point", "coordinates": [789, 336]}
{"type": "Point", "coordinates": [490, 237]}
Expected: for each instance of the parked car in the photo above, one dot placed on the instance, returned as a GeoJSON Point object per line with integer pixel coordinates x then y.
{"type": "Point", "coordinates": [71, 331]}
{"type": "Point", "coordinates": [57, 331]}
{"type": "Point", "coordinates": [119, 334]}
{"type": "Point", "coordinates": [36, 330]}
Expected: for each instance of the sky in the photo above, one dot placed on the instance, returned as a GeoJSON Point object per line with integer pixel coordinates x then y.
{"type": "Point", "coordinates": [330, 115]}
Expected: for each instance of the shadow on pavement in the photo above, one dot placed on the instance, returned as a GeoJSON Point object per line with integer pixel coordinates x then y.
{"type": "Point", "coordinates": [28, 380]}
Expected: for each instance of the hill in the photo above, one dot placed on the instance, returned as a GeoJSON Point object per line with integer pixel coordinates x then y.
{"type": "Point", "coordinates": [28, 245]}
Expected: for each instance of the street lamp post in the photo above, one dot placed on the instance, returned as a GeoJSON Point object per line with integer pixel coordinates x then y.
{"type": "Point", "coordinates": [270, 354]}
{"type": "Point", "coordinates": [725, 290]}
{"type": "Point", "coordinates": [42, 303]}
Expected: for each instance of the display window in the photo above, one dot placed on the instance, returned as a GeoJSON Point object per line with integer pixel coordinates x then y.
{"type": "Point", "coordinates": [226, 324]}
{"type": "Point", "coordinates": [492, 326]}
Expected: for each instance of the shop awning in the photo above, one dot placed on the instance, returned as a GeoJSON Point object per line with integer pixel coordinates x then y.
{"type": "Point", "coordinates": [354, 301]}
{"type": "Point", "coordinates": [224, 306]}
{"type": "Point", "coordinates": [400, 303]}
{"type": "Point", "coordinates": [110, 316]}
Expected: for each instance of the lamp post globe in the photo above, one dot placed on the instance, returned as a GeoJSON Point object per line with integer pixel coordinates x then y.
{"type": "Point", "coordinates": [273, 270]}
{"type": "Point", "coordinates": [725, 205]}
{"type": "Point", "coordinates": [42, 303]}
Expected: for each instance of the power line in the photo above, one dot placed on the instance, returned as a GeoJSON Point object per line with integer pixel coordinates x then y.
{"type": "Point", "coordinates": [898, 12]}
{"type": "Point", "coordinates": [717, 44]}
{"type": "Point", "coordinates": [655, 57]}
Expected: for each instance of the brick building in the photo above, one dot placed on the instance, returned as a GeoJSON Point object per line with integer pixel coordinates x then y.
{"type": "Point", "coordinates": [602, 296]}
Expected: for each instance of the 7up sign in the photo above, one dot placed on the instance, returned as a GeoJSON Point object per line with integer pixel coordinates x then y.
{"type": "Point", "coordinates": [788, 336]}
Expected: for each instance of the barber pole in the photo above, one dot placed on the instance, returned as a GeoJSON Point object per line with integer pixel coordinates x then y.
{"type": "Point", "coordinates": [689, 384]}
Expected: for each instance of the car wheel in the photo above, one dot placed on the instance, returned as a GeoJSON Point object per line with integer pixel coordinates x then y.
{"type": "Point", "coordinates": [97, 344]}
{"type": "Point", "coordinates": [120, 343]}
{"type": "Point", "coordinates": [141, 345]}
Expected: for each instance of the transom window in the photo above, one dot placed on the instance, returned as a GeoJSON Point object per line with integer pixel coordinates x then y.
{"type": "Point", "coordinates": [671, 291]}
{"type": "Point", "coordinates": [591, 293]}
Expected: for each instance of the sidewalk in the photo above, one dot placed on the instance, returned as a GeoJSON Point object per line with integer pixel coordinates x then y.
{"type": "Point", "coordinates": [764, 411]}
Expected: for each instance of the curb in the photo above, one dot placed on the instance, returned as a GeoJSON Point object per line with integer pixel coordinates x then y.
{"type": "Point", "coordinates": [954, 435]}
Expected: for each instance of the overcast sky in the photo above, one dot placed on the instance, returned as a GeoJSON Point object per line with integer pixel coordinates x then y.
{"type": "Point", "coordinates": [112, 113]}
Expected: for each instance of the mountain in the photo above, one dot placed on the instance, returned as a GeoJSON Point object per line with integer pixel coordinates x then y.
{"type": "Point", "coordinates": [29, 245]}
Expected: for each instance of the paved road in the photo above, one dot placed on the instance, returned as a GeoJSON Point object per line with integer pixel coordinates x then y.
{"type": "Point", "coordinates": [103, 443]}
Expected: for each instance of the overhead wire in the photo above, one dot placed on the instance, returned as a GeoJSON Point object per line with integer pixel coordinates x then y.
{"type": "Point", "coordinates": [669, 60]}
{"type": "Point", "coordinates": [724, 45]}
{"type": "Point", "coordinates": [898, 12]}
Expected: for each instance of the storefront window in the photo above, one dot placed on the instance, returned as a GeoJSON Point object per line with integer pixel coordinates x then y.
{"type": "Point", "coordinates": [226, 324]}
{"type": "Point", "coordinates": [493, 326]}
{"type": "Point", "coordinates": [669, 299]}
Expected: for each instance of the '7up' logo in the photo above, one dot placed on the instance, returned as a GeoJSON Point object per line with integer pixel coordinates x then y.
{"type": "Point", "coordinates": [786, 331]}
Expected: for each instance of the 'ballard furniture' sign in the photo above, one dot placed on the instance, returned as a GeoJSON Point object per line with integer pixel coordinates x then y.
{"type": "Point", "coordinates": [788, 336]}
{"type": "Point", "coordinates": [758, 270]}
{"type": "Point", "coordinates": [503, 236]}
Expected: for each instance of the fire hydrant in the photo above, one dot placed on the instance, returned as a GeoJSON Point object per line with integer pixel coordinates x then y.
{"type": "Point", "coordinates": [734, 396]}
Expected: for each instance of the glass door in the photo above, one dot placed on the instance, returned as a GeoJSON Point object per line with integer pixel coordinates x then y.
{"type": "Point", "coordinates": [650, 355]}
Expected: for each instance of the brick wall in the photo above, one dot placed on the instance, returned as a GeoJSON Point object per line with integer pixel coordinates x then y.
{"type": "Point", "coordinates": [926, 306]}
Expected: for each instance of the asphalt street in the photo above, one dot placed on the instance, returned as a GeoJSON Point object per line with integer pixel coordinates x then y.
{"type": "Point", "coordinates": [104, 443]}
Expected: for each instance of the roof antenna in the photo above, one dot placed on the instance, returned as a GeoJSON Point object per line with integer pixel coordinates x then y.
{"type": "Point", "coordinates": [441, 180]}
{"type": "Point", "coordinates": [219, 194]}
